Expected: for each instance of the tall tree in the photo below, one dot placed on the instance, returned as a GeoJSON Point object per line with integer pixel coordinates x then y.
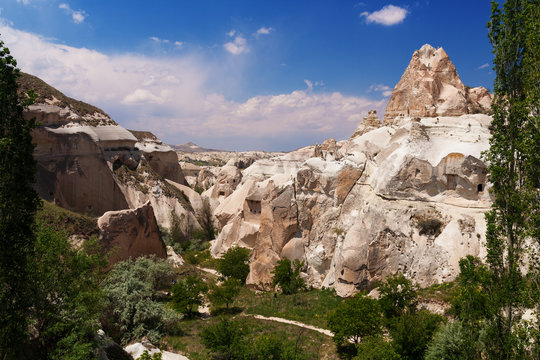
{"type": "Point", "coordinates": [18, 206]}
{"type": "Point", "coordinates": [513, 160]}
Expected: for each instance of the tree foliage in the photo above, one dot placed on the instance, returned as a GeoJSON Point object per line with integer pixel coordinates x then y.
{"type": "Point", "coordinates": [287, 276]}
{"type": "Point", "coordinates": [18, 206]}
{"type": "Point", "coordinates": [133, 311]}
{"type": "Point", "coordinates": [235, 264]}
{"type": "Point", "coordinates": [376, 348]}
{"type": "Point", "coordinates": [513, 160]}
{"type": "Point", "coordinates": [188, 294]}
{"type": "Point", "coordinates": [397, 294]}
{"type": "Point", "coordinates": [451, 342]}
{"type": "Point", "coordinates": [225, 293]}
{"type": "Point", "coordinates": [355, 318]}
{"type": "Point", "coordinates": [68, 299]}
{"type": "Point", "coordinates": [225, 339]}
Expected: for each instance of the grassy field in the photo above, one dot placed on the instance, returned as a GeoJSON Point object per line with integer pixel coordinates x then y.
{"type": "Point", "coordinates": [311, 343]}
{"type": "Point", "coordinates": [310, 307]}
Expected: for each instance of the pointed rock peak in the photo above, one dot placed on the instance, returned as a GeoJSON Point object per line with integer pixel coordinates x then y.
{"type": "Point", "coordinates": [429, 87]}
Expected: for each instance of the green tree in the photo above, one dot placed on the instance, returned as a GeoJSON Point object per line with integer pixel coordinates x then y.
{"type": "Point", "coordinates": [275, 347]}
{"type": "Point", "coordinates": [513, 159]}
{"type": "Point", "coordinates": [355, 318]}
{"type": "Point", "coordinates": [235, 264]}
{"type": "Point", "coordinates": [18, 206]}
{"type": "Point", "coordinates": [397, 294]}
{"type": "Point", "coordinates": [187, 295]}
{"type": "Point", "coordinates": [225, 293]}
{"type": "Point", "coordinates": [451, 342]}
{"type": "Point", "coordinates": [226, 339]}
{"type": "Point", "coordinates": [412, 332]}
{"type": "Point", "coordinates": [375, 348]}
{"type": "Point", "coordinates": [68, 299]}
{"type": "Point", "coordinates": [133, 311]}
{"type": "Point", "coordinates": [287, 276]}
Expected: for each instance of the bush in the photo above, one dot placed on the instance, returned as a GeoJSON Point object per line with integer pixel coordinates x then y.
{"type": "Point", "coordinates": [397, 294]}
{"type": "Point", "coordinates": [287, 277]}
{"type": "Point", "coordinates": [354, 319]}
{"type": "Point", "coordinates": [375, 348]}
{"type": "Point", "coordinates": [235, 264]}
{"type": "Point", "coordinates": [187, 295]}
{"type": "Point", "coordinates": [449, 343]}
{"type": "Point", "coordinates": [225, 339]}
{"type": "Point", "coordinates": [430, 227]}
{"type": "Point", "coordinates": [133, 312]}
{"type": "Point", "coordinates": [412, 332]}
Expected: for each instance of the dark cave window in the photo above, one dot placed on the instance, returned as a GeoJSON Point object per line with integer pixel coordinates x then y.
{"type": "Point", "coordinates": [480, 187]}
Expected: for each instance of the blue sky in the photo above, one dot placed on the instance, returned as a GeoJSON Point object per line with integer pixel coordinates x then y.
{"type": "Point", "coordinates": [265, 75]}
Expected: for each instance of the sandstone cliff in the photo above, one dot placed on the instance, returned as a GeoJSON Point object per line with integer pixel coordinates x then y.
{"type": "Point", "coordinates": [407, 196]}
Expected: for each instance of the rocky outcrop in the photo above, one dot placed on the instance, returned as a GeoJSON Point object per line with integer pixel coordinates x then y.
{"type": "Point", "coordinates": [406, 198]}
{"type": "Point", "coordinates": [88, 163]}
{"type": "Point", "coordinates": [131, 233]}
{"type": "Point", "coordinates": [161, 157]}
{"type": "Point", "coordinates": [370, 122]}
{"type": "Point", "coordinates": [430, 86]}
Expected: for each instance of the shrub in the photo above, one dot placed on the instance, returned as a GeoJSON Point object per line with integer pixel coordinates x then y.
{"type": "Point", "coordinates": [449, 343]}
{"type": "Point", "coordinates": [375, 348]}
{"type": "Point", "coordinates": [226, 339]}
{"type": "Point", "coordinates": [133, 311]}
{"type": "Point", "coordinates": [287, 276]}
{"type": "Point", "coordinates": [430, 227]}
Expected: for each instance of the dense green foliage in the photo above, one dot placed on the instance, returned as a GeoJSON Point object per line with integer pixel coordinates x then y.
{"type": "Point", "coordinates": [68, 298]}
{"type": "Point", "coordinates": [513, 158]}
{"type": "Point", "coordinates": [225, 293]}
{"type": "Point", "coordinates": [397, 294]}
{"type": "Point", "coordinates": [188, 294]}
{"type": "Point", "coordinates": [376, 348]}
{"type": "Point", "coordinates": [226, 339]}
{"type": "Point", "coordinates": [450, 342]}
{"type": "Point", "coordinates": [355, 318]}
{"type": "Point", "coordinates": [235, 264]}
{"type": "Point", "coordinates": [133, 310]}
{"type": "Point", "coordinates": [287, 276]}
{"type": "Point", "coordinates": [18, 205]}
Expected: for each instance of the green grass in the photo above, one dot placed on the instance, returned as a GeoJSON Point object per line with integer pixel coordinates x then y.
{"type": "Point", "coordinates": [442, 292]}
{"type": "Point", "coordinates": [64, 220]}
{"type": "Point", "coordinates": [310, 307]}
{"type": "Point", "coordinates": [312, 343]}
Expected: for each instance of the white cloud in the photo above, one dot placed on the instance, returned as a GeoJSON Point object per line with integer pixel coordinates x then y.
{"type": "Point", "coordinates": [238, 46]}
{"type": "Point", "coordinates": [383, 89]}
{"type": "Point", "coordinates": [483, 66]}
{"type": "Point", "coordinates": [179, 43]}
{"type": "Point", "coordinates": [24, 2]}
{"type": "Point", "coordinates": [263, 31]}
{"type": "Point", "coordinates": [174, 98]}
{"type": "Point", "coordinates": [158, 40]}
{"type": "Point", "coordinates": [231, 33]}
{"type": "Point", "coordinates": [388, 15]}
{"type": "Point", "coordinates": [78, 16]}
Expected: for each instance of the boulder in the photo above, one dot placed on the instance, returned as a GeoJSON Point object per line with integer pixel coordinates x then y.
{"type": "Point", "coordinates": [131, 233]}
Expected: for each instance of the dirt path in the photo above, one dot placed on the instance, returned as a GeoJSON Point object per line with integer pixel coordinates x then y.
{"type": "Point", "coordinates": [292, 322]}
{"type": "Point", "coordinates": [211, 271]}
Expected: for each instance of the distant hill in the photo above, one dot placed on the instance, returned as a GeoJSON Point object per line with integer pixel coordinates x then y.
{"type": "Point", "coordinates": [193, 148]}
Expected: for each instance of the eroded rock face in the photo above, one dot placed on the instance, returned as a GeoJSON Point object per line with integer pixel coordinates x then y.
{"type": "Point", "coordinates": [161, 157]}
{"type": "Point", "coordinates": [131, 233]}
{"type": "Point", "coordinates": [430, 86]}
{"type": "Point", "coordinates": [370, 122]}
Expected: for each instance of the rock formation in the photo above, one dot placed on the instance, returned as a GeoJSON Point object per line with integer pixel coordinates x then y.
{"type": "Point", "coordinates": [131, 233]}
{"type": "Point", "coordinates": [370, 122]}
{"type": "Point", "coordinates": [430, 86]}
{"type": "Point", "coordinates": [407, 196]}
{"type": "Point", "coordinates": [88, 163]}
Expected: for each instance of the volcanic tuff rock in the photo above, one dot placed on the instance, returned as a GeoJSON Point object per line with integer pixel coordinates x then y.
{"type": "Point", "coordinates": [430, 86]}
{"type": "Point", "coordinates": [408, 197]}
{"type": "Point", "coordinates": [131, 233]}
{"type": "Point", "coordinates": [88, 163]}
